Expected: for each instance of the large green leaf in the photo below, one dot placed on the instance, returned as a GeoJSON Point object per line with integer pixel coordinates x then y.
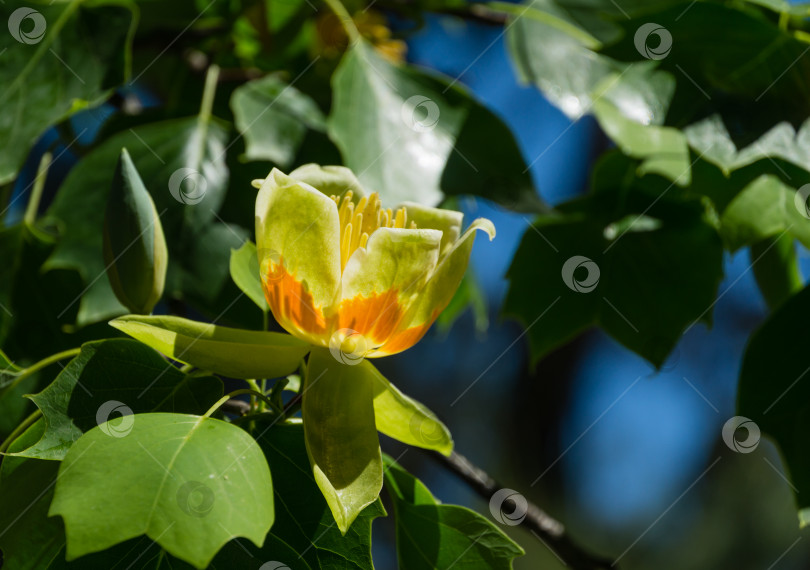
{"type": "Point", "coordinates": [759, 61]}
{"type": "Point", "coordinates": [57, 58]}
{"type": "Point", "coordinates": [231, 352]}
{"type": "Point", "coordinates": [399, 128]}
{"type": "Point", "coordinates": [773, 391]}
{"type": "Point", "coordinates": [171, 157]}
{"type": "Point", "coordinates": [433, 536]}
{"type": "Point", "coordinates": [630, 101]}
{"type": "Point", "coordinates": [644, 270]}
{"type": "Point", "coordinates": [341, 436]}
{"type": "Point", "coordinates": [190, 483]}
{"type": "Point", "coordinates": [90, 389]}
{"type": "Point", "coordinates": [274, 117]}
{"type": "Point", "coordinates": [592, 58]}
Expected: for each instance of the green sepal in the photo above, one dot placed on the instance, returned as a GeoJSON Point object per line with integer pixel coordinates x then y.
{"type": "Point", "coordinates": [231, 352]}
{"type": "Point", "coordinates": [341, 436]}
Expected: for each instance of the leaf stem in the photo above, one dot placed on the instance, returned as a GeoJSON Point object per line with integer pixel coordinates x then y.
{"type": "Point", "coordinates": [345, 19]}
{"type": "Point", "coordinates": [39, 366]}
{"type": "Point", "coordinates": [255, 386]}
{"type": "Point", "coordinates": [36, 192]}
{"type": "Point", "coordinates": [230, 395]}
{"type": "Point", "coordinates": [209, 91]}
{"type": "Point", "coordinates": [24, 425]}
{"type": "Point", "coordinates": [547, 529]}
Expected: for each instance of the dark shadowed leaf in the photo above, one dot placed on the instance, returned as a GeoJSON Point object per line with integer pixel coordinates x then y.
{"type": "Point", "coordinates": [431, 535]}
{"type": "Point", "coordinates": [79, 47]}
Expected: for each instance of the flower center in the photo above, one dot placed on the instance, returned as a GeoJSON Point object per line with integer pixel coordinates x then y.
{"type": "Point", "coordinates": [358, 221]}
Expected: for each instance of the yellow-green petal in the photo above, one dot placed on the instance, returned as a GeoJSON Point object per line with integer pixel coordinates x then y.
{"type": "Point", "coordinates": [381, 281]}
{"type": "Point", "coordinates": [231, 352]}
{"type": "Point", "coordinates": [403, 418]}
{"type": "Point", "coordinates": [331, 180]}
{"type": "Point", "coordinates": [341, 436]}
{"type": "Point", "coordinates": [298, 226]}
{"type": "Point", "coordinates": [446, 221]}
{"type": "Point", "coordinates": [448, 275]}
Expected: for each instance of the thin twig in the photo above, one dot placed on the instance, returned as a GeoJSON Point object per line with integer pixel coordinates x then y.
{"type": "Point", "coordinates": [549, 530]}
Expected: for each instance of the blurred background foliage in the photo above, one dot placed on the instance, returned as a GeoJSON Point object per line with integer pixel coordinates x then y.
{"type": "Point", "coordinates": [666, 141]}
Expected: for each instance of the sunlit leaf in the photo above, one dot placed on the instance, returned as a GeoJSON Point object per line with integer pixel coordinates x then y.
{"type": "Point", "coordinates": [188, 482]}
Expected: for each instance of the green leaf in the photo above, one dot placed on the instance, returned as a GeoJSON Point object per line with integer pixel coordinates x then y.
{"type": "Point", "coordinates": [630, 101]}
{"type": "Point", "coordinates": [190, 483]}
{"type": "Point", "coordinates": [403, 418]}
{"type": "Point", "coordinates": [772, 392]}
{"type": "Point", "coordinates": [274, 117]}
{"type": "Point", "coordinates": [783, 142]}
{"type": "Point", "coordinates": [397, 129]}
{"type": "Point", "coordinates": [172, 156]}
{"type": "Point", "coordinates": [765, 208]}
{"type": "Point", "coordinates": [245, 273]}
{"type": "Point", "coordinates": [28, 538]}
{"type": "Point", "coordinates": [135, 251]}
{"type": "Point", "coordinates": [57, 59]}
{"type": "Point", "coordinates": [231, 352]}
{"type": "Point", "coordinates": [341, 436]}
{"type": "Point", "coordinates": [431, 535]}
{"type": "Point", "coordinates": [60, 431]}
{"type": "Point", "coordinates": [85, 394]}
{"type": "Point", "coordinates": [776, 268]}
{"type": "Point", "coordinates": [761, 61]}
{"type": "Point", "coordinates": [629, 108]}
{"type": "Point", "coordinates": [644, 268]}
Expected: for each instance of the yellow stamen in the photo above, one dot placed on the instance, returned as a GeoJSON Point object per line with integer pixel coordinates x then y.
{"type": "Point", "coordinates": [359, 221]}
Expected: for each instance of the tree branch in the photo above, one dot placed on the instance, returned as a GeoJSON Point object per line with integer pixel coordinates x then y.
{"type": "Point", "coordinates": [545, 528]}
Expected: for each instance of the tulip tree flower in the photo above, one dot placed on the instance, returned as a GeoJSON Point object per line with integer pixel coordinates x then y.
{"type": "Point", "coordinates": [338, 269]}
{"type": "Point", "coordinates": [350, 280]}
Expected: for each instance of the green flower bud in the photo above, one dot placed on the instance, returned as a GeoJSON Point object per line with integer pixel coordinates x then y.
{"type": "Point", "coordinates": [134, 246]}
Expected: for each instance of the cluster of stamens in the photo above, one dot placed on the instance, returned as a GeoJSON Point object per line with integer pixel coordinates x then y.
{"type": "Point", "coordinates": [358, 221]}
